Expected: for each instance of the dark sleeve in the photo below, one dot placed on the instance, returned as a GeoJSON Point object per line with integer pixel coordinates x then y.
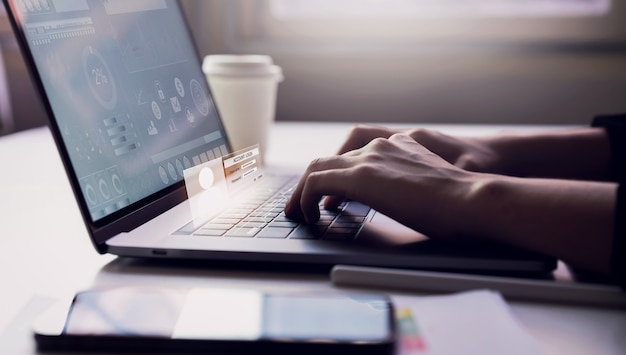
{"type": "Point", "coordinates": [615, 126]}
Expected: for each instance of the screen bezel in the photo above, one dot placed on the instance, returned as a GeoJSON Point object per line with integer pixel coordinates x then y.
{"type": "Point", "coordinates": [136, 213]}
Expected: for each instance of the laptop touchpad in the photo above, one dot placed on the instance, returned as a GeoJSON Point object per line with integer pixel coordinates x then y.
{"type": "Point", "coordinates": [391, 231]}
{"type": "Point", "coordinates": [380, 218]}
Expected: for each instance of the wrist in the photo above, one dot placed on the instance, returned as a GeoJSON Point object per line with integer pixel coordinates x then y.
{"type": "Point", "coordinates": [507, 149]}
{"type": "Point", "coordinates": [544, 215]}
{"type": "Point", "coordinates": [461, 204]}
{"type": "Point", "coordinates": [566, 154]}
{"type": "Point", "coordinates": [481, 201]}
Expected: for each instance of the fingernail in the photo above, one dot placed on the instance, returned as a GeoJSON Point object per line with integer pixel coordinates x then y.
{"type": "Point", "coordinates": [289, 212]}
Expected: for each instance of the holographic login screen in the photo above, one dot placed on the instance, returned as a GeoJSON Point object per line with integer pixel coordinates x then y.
{"type": "Point", "coordinates": [127, 93]}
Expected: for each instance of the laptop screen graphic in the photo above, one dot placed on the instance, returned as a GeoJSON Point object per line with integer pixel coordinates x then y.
{"type": "Point", "coordinates": [128, 95]}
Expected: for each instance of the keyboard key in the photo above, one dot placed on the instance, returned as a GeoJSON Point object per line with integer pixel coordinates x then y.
{"type": "Point", "coordinates": [220, 220]}
{"type": "Point", "coordinates": [356, 209]}
{"type": "Point", "coordinates": [243, 232]}
{"type": "Point", "coordinates": [257, 219]}
{"type": "Point", "coordinates": [272, 232]}
{"type": "Point", "coordinates": [237, 216]}
{"type": "Point", "coordinates": [210, 232]}
{"type": "Point", "coordinates": [350, 219]}
{"type": "Point", "coordinates": [264, 214]}
{"type": "Point", "coordinates": [282, 218]}
{"type": "Point", "coordinates": [307, 232]}
{"type": "Point", "coordinates": [345, 231]}
{"type": "Point", "coordinates": [271, 210]}
{"type": "Point", "coordinates": [324, 223]}
{"type": "Point", "coordinates": [324, 212]}
{"type": "Point", "coordinates": [249, 206]}
{"type": "Point", "coordinates": [218, 226]}
{"type": "Point", "coordinates": [342, 224]}
{"type": "Point", "coordinates": [284, 224]}
{"type": "Point", "coordinates": [245, 224]}
{"type": "Point", "coordinates": [239, 210]}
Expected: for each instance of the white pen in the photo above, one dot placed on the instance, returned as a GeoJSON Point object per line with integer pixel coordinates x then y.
{"type": "Point", "coordinates": [509, 287]}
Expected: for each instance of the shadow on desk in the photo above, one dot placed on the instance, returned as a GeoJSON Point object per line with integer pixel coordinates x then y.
{"type": "Point", "coordinates": [561, 287]}
{"type": "Point", "coordinates": [197, 267]}
{"type": "Point", "coordinates": [180, 267]}
{"type": "Point", "coordinates": [122, 272]}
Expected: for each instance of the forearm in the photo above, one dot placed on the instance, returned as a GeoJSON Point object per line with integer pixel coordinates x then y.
{"type": "Point", "coordinates": [573, 154]}
{"type": "Point", "coordinates": [571, 220]}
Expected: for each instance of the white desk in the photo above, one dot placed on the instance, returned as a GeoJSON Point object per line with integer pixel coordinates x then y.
{"type": "Point", "coordinates": [45, 252]}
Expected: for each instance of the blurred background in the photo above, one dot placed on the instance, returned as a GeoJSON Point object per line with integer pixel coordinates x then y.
{"type": "Point", "coordinates": [404, 61]}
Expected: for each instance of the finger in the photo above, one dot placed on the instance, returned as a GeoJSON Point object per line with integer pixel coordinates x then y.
{"type": "Point", "coordinates": [292, 208]}
{"type": "Point", "coordinates": [412, 146]}
{"type": "Point", "coordinates": [406, 140]}
{"type": "Point", "coordinates": [335, 182]}
{"type": "Point", "coordinates": [361, 135]}
{"type": "Point", "coordinates": [437, 142]}
{"type": "Point", "coordinates": [333, 202]}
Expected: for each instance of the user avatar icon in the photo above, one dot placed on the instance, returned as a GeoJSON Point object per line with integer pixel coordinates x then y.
{"type": "Point", "coordinates": [191, 118]}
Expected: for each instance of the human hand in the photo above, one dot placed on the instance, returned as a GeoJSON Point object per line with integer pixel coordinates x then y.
{"type": "Point", "coordinates": [396, 176]}
{"type": "Point", "coordinates": [477, 154]}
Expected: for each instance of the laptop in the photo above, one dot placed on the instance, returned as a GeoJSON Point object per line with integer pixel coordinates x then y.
{"type": "Point", "coordinates": [130, 111]}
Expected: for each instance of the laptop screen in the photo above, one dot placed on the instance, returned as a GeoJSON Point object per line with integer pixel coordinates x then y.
{"type": "Point", "coordinates": [128, 95]}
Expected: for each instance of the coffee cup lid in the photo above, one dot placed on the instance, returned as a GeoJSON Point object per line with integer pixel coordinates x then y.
{"type": "Point", "coordinates": [241, 66]}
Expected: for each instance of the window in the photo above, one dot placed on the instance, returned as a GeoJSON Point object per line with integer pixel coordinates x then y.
{"type": "Point", "coordinates": [285, 9]}
{"type": "Point", "coordinates": [430, 60]}
{"type": "Point", "coordinates": [298, 24]}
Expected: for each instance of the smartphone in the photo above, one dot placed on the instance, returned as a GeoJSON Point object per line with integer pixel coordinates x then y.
{"type": "Point", "coordinates": [218, 320]}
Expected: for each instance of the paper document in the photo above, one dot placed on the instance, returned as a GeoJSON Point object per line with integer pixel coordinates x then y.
{"type": "Point", "coordinates": [477, 322]}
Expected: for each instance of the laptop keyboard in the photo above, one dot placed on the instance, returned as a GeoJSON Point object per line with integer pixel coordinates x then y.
{"type": "Point", "coordinates": [261, 215]}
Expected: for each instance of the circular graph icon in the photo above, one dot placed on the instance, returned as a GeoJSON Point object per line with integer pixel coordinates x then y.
{"type": "Point", "coordinates": [172, 171]}
{"type": "Point", "coordinates": [104, 189]}
{"type": "Point", "coordinates": [92, 197]}
{"type": "Point", "coordinates": [163, 175]}
{"type": "Point", "coordinates": [99, 78]}
{"type": "Point", "coordinates": [117, 184]}
{"type": "Point", "coordinates": [199, 97]}
{"type": "Point", "coordinates": [186, 162]}
{"type": "Point", "coordinates": [156, 110]}
{"type": "Point", "coordinates": [180, 168]}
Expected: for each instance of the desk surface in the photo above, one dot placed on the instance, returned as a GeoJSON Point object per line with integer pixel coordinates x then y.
{"type": "Point", "coordinates": [45, 252]}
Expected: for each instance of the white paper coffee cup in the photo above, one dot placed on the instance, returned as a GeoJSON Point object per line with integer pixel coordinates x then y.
{"type": "Point", "coordinates": [245, 88]}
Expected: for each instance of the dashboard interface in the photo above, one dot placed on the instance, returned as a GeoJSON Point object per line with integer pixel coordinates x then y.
{"type": "Point", "coordinates": [127, 92]}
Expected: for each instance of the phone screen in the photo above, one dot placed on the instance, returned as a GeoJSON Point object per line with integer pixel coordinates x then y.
{"type": "Point", "coordinates": [240, 315]}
